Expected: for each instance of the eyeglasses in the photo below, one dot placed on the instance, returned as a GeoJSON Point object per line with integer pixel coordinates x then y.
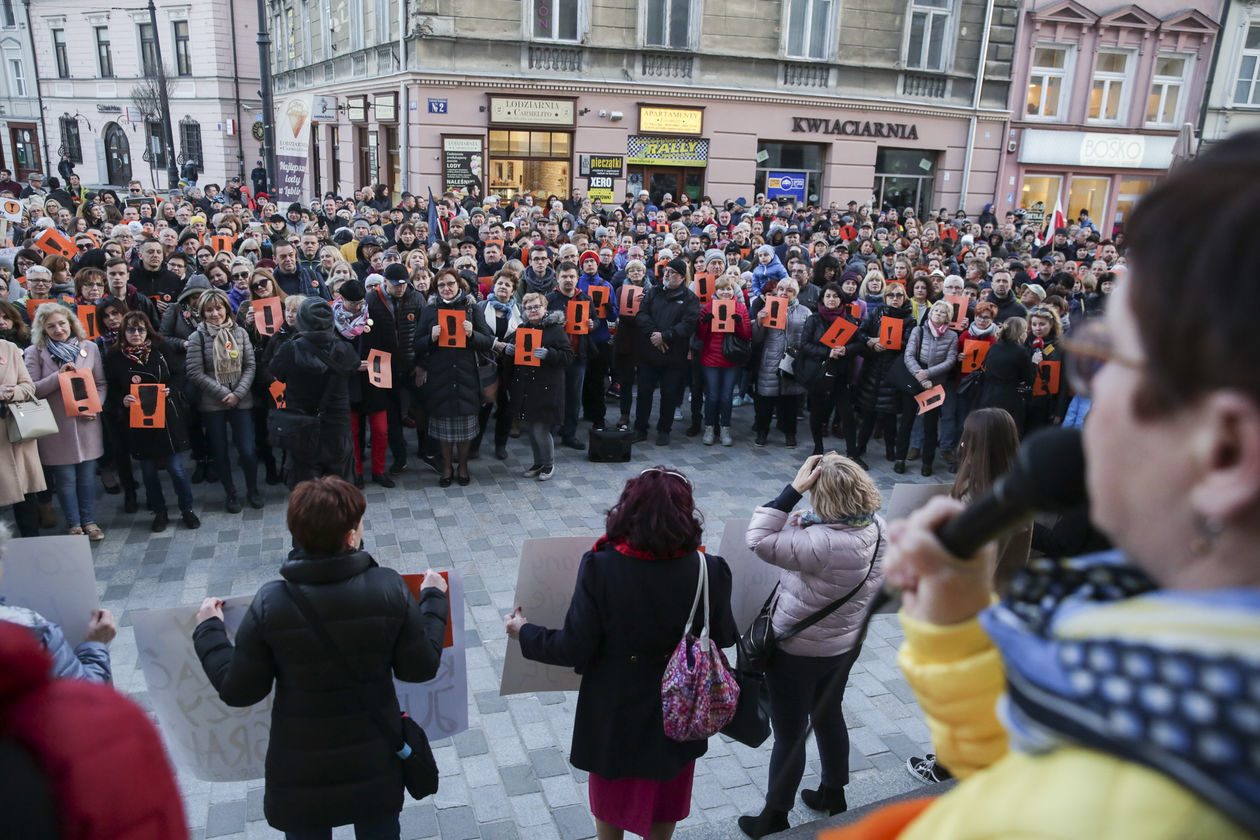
{"type": "Point", "coordinates": [261, 284]}
{"type": "Point", "coordinates": [896, 296]}
{"type": "Point", "coordinates": [1089, 349]}
{"type": "Point", "coordinates": [242, 276]}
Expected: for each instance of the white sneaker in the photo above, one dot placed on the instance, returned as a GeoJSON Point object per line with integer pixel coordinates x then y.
{"type": "Point", "coordinates": [707, 440]}
{"type": "Point", "coordinates": [547, 472]}
{"type": "Point", "coordinates": [533, 471]}
{"type": "Point", "coordinates": [726, 436]}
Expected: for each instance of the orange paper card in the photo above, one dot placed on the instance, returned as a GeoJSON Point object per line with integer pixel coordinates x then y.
{"type": "Point", "coordinates": [149, 409]}
{"type": "Point", "coordinates": [724, 316]}
{"type": "Point", "coordinates": [32, 305]}
{"type": "Point", "coordinates": [702, 285]}
{"type": "Point", "coordinates": [577, 313]}
{"type": "Point", "coordinates": [958, 314]}
{"type": "Point", "coordinates": [839, 333]}
{"type": "Point", "coordinates": [848, 233]}
{"type": "Point", "coordinates": [55, 243]}
{"type": "Point", "coordinates": [87, 317]}
{"type": "Point", "coordinates": [380, 369]}
{"type": "Point", "coordinates": [599, 299]}
{"type": "Point", "coordinates": [276, 389]}
{"type": "Point", "coordinates": [933, 397]}
{"type": "Point", "coordinates": [414, 582]}
{"type": "Point", "coordinates": [855, 309]}
{"type": "Point", "coordinates": [528, 340]}
{"type": "Point", "coordinates": [268, 315]}
{"type": "Point", "coordinates": [776, 313]}
{"type": "Point", "coordinates": [221, 243]}
{"type": "Point", "coordinates": [1047, 381]}
{"type": "Point", "coordinates": [949, 234]}
{"type": "Point", "coordinates": [890, 332]}
{"type": "Point", "coordinates": [973, 355]}
{"type": "Point", "coordinates": [629, 300]}
{"type": "Point", "coordinates": [78, 392]}
{"type": "Point", "coordinates": [451, 323]}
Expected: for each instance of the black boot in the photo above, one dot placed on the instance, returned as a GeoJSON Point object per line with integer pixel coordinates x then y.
{"type": "Point", "coordinates": [130, 505]}
{"type": "Point", "coordinates": [199, 472]}
{"type": "Point", "coordinates": [768, 821]}
{"type": "Point", "coordinates": [273, 475]}
{"type": "Point", "coordinates": [826, 799]}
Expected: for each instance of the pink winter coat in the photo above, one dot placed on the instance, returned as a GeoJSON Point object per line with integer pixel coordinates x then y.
{"type": "Point", "coordinates": [820, 564]}
{"type": "Point", "coordinates": [80, 437]}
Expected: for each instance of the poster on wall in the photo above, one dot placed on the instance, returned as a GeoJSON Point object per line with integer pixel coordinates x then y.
{"type": "Point", "coordinates": [293, 126]}
{"type": "Point", "coordinates": [462, 163]}
{"type": "Point", "coordinates": [785, 185]}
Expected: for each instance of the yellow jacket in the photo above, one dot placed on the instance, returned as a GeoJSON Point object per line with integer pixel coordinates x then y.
{"type": "Point", "coordinates": [1069, 793]}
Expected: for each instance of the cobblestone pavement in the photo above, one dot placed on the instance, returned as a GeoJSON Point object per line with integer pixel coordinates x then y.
{"type": "Point", "coordinates": [508, 775]}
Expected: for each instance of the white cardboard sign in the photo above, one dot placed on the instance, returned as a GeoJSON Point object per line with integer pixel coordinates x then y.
{"type": "Point", "coordinates": [54, 577]}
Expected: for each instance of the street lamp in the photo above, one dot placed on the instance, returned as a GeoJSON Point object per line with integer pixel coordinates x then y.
{"type": "Point", "coordinates": [172, 171]}
{"type": "Point", "coordinates": [268, 105]}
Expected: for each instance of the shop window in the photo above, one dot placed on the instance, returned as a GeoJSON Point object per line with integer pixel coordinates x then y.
{"type": "Point", "coordinates": [1247, 89]}
{"type": "Point", "coordinates": [1047, 81]}
{"type": "Point", "coordinates": [904, 178]}
{"type": "Point", "coordinates": [810, 28]}
{"type": "Point", "coordinates": [789, 161]}
{"type": "Point", "coordinates": [71, 145]}
{"type": "Point", "coordinates": [1088, 194]}
{"type": "Point", "coordinates": [928, 38]}
{"type": "Point", "coordinates": [668, 23]}
{"type": "Point", "coordinates": [536, 162]}
{"type": "Point", "coordinates": [1131, 191]}
{"type": "Point", "coordinates": [1163, 106]}
{"type": "Point", "coordinates": [1038, 197]}
{"type": "Point", "coordinates": [1107, 97]}
{"type": "Point", "coordinates": [554, 20]}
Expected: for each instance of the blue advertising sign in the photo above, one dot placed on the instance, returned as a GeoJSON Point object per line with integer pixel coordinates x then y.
{"type": "Point", "coordinates": [790, 184]}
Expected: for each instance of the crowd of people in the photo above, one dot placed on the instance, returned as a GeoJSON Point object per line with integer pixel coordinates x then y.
{"type": "Point", "coordinates": [399, 326]}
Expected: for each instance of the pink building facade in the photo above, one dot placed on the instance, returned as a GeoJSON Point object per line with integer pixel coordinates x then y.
{"type": "Point", "coordinates": [1098, 96]}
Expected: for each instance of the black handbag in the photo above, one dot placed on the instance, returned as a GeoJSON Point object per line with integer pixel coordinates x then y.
{"type": "Point", "coordinates": [409, 743]}
{"type": "Point", "coordinates": [971, 384]}
{"type": "Point", "coordinates": [736, 350]}
{"type": "Point", "coordinates": [757, 646]}
{"type": "Point", "coordinates": [297, 432]}
{"type": "Point", "coordinates": [751, 724]}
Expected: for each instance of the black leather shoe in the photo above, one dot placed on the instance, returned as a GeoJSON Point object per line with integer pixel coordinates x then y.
{"type": "Point", "coordinates": [857, 459]}
{"type": "Point", "coordinates": [255, 499]}
{"type": "Point", "coordinates": [767, 822]}
{"type": "Point", "coordinates": [694, 429]}
{"type": "Point", "coordinates": [500, 453]}
{"type": "Point", "coordinates": [445, 481]}
{"type": "Point", "coordinates": [760, 440]}
{"type": "Point", "coordinates": [899, 466]}
{"type": "Point", "coordinates": [233, 504]}
{"type": "Point", "coordinates": [160, 521]}
{"type": "Point", "coordinates": [130, 505]}
{"type": "Point", "coordinates": [463, 480]}
{"type": "Point", "coordinates": [830, 800]}
{"type": "Point", "coordinates": [791, 442]}
{"type": "Point", "coordinates": [574, 443]}
{"type": "Point", "coordinates": [191, 522]}
{"type": "Point", "coordinates": [384, 480]}
{"type": "Point", "coordinates": [358, 480]}
{"type": "Point", "coordinates": [927, 470]}
{"type": "Point", "coordinates": [640, 435]}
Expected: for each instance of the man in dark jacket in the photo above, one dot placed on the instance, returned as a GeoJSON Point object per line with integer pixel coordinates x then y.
{"type": "Point", "coordinates": [153, 279]}
{"type": "Point", "coordinates": [316, 370]}
{"type": "Point", "coordinates": [364, 250]}
{"type": "Point", "coordinates": [558, 301]}
{"type": "Point", "coordinates": [293, 278]}
{"type": "Point", "coordinates": [259, 178]}
{"type": "Point", "coordinates": [539, 276]}
{"type": "Point", "coordinates": [1003, 297]}
{"type": "Point", "coordinates": [668, 317]}
{"type": "Point", "coordinates": [394, 308]}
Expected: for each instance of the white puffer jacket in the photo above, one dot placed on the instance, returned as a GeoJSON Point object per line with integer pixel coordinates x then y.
{"type": "Point", "coordinates": [820, 564]}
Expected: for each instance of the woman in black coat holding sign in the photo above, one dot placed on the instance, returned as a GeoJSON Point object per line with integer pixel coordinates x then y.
{"type": "Point", "coordinates": [876, 396]}
{"type": "Point", "coordinates": [327, 762]}
{"type": "Point", "coordinates": [538, 391]}
{"type": "Point", "coordinates": [630, 604]}
{"type": "Point", "coordinates": [828, 371]}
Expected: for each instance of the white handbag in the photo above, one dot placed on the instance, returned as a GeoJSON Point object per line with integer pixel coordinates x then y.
{"type": "Point", "coordinates": [29, 421]}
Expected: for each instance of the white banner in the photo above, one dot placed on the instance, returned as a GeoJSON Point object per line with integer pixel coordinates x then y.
{"type": "Point", "coordinates": [292, 130]}
{"type": "Point", "coordinates": [52, 576]}
{"type": "Point", "coordinates": [907, 498]}
{"type": "Point", "coordinates": [751, 577]}
{"type": "Point", "coordinates": [545, 579]}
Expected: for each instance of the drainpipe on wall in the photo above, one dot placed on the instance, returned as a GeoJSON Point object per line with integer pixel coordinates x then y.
{"type": "Point", "coordinates": [236, 89]}
{"type": "Point", "coordinates": [403, 106]}
{"type": "Point", "coordinates": [39, 93]}
{"type": "Point", "coordinates": [1211, 73]}
{"type": "Point", "coordinates": [975, 105]}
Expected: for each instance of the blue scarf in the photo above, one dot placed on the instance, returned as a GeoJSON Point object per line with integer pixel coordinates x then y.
{"type": "Point", "coordinates": [857, 520]}
{"type": "Point", "coordinates": [505, 308]}
{"type": "Point", "coordinates": [1158, 683]}
{"type": "Point", "coordinates": [63, 351]}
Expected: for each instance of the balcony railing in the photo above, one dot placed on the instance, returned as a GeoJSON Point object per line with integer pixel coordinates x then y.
{"type": "Point", "coordinates": [806, 75]}
{"type": "Point", "coordinates": [666, 65]}
{"type": "Point", "coordinates": [554, 59]}
{"type": "Point", "coordinates": [924, 85]}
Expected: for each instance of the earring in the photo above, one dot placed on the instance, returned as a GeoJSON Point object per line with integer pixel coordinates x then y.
{"type": "Point", "coordinates": [1209, 529]}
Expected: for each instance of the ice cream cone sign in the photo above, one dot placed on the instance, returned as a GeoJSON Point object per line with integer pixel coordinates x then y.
{"type": "Point", "coordinates": [298, 112]}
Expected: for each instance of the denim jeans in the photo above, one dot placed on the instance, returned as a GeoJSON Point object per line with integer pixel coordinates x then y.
{"type": "Point", "coordinates": [150, 469]}
{"type": "Point", "coordinates": [76, 491]}
{"type": "Point", "coordinates": [381, 828]}
{"type": "Point", "coordinates": [719, 382]}
{"type": "Point", "coordinates": [216, 423]}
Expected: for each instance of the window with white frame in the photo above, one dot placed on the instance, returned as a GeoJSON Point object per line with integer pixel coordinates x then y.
{"type": "Point", "coordinates": [1107, 97]}
{"type": "Point", "coordinates": [1046, 81]}
{"type": "Point", "coordinates": [18, 77]}
{"type": "Point", "coordinates": [554, 20]}
{"type": "Point", "coordinates": [71, 143]}
{"type": "Point", "coordinates": [809, 28]}
{"type": "Point", "coordinates": [183, 51]}
{"type": "Point", "coordinates": [383, 21]}
{"type": "Point", "coordinates": [928, 41]}
{"type": "Point", "coordinates": [356, 24]}
{"type": "Point", "coordinates": [1247, 88]}
{"type": "Point", "coordinates": [668, 23]}
{"type": "Point", "coordinates": [1163, 106]}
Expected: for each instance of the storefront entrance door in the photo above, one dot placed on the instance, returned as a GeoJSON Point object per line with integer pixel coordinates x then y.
{"type": "Point", "coordinates": [672, 180]}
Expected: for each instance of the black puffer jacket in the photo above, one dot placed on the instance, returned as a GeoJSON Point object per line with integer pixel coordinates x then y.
{"type": "Point", "coordinates": [394, 322]}
{"type": "Point", "coordinates": [538, 392]}
{"type": "Point", "coordinates": [453, 387]}
{"type": "Point", "coordinates": [874, 391]}
{"type": "Point", "coordinates": [327, 764]}
{"type": "Point", "coordinates": [814, 366]}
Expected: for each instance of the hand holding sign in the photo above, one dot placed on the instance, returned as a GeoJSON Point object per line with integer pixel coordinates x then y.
{"type": "Point", "coordinates": [724, 316]}
{"type": "Point", "coordinates": [839, 333]}
{"type": "Point", "coordinates": [631, 295]}
{"type": "Point", "coordinates": [268, 315]}
{"type": "Point", "coordinates": [528, 340]}
{"type": "Point", "coordinates": [577, 313]}
{"type": "Point", "coordinates": [973, 355]}
{"type": "Point", "coordinates": [958, 311]}
{"type": "Point", "coordinates": [276, 389]}
{"type": "Point", "coordinates": [930, 399]}
{"type": "Point", "coordinates": [890, 330]}
{"type": "Point", "coordinates": [380, 368]}
{"type": "Point", "coordinates": [776, 313]}
{"type": "Point", "coordinates": [451, 325]}
{"type": "Point", "coordinates": [78, 393]}
{"type": "Point", "coordinates": [148, 410]}
{"type": "Point", "coordinates": [599, 296]}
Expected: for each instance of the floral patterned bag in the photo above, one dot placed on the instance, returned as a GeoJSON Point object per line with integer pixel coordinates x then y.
{"type": "Point", "coordinates": [699, 694]}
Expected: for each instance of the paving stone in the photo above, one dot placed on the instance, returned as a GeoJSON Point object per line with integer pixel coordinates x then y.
{"type": "Point", "coordinates": [519, 779]}
{"type": "Point", "coordinates": [548, 762]}
{"type": "Point", "coordinates": [226, 818]}
{"type": "Point", "coordinates": [574, 822]}
{"type": "Point", "coordinates": [418, 821]}
{"type": "Point", "coordinates": [457, 823]}
{"type": "Point", "coordinates": [470, 742]}
{"type": "Point", "coordinates": [501, 830]}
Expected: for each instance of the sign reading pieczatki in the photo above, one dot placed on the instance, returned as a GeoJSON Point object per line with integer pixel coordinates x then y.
{"type": "Point", "coordinates": [293, 126]}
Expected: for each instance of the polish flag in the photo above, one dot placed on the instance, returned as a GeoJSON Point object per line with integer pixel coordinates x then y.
{"type": "Point", "coordinates": [1057, 220]}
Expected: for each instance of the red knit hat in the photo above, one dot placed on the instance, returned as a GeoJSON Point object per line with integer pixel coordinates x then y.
{"type": "Point", "coordinates": [588, 255]}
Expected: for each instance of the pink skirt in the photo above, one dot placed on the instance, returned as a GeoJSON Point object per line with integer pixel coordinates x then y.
{"type": "Point", "coordinates": [635, 804]}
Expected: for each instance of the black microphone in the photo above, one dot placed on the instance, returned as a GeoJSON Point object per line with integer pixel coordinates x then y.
{"type": "Point", "coordinates": [1048, 476]}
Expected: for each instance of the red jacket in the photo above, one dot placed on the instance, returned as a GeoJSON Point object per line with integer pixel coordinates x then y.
{"type": "Point", "coordinates": [711, 355]}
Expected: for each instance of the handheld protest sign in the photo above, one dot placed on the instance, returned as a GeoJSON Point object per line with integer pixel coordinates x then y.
{"type": "Point", "coordinates": [268, 315]}
{"type": "Point", "coordinates": [949, 234]}
{"type": "Point", "coordinates": [11, 210]}
{"type": "Point", "coordinates": [973, 355]}
{"type": "Point", "coordinates": [631, 296]}
{"type": "Point", "coordinates": [776, 313]}
{"type": "Point", "coordinates": [1047, 381]}
{"type": "Point", "coordinates": [724, 316]}
{"type": "Point", "coordinates": [702, 285]}
{"type": "Point", "coordinates": [958, 311]}
{"type": "Point", "coordinates": [276, 389]}
{"type": "Point", "coordinates": [55, 243]}
{"type": "Point", "coordinates": [528, 339]}
{"type": "Point", "coordinates": [933, 397]}
{"type": "Point", "coordinates": [451, 326]}
{"type": "Point", "coordinates": [848, 233]}
{"type": "Point", "coordinates": [855, 309]}
{"type": "Point", "coordinates": [32, 305]}
{"type": "Point", "coordinates": [380, 369]}
{"type": "Point", "coordinates": [221, 243]}
{"type": "Point", "coordinates": [840, 333]}
{"type": "Point", "coordinates": [599, 296]}
{"type": "Point", "coordinates": [149, 409]}
{"type": "Point", "coordinates": [890, 330]}
{"type": "Point", "coordinates": [78, 392]}
{"type": "Point", "coordinates": [87, 317]}
{"type": "Point", "coordinates": [577, 313]}
{"type": "Point", "coordinates": [415, 583]}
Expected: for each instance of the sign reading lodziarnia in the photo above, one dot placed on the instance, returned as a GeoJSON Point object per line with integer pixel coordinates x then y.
{"type": "Point", "coordinates": [529, 110]}
{"type": "Point", "coordinates": [660, 120]}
